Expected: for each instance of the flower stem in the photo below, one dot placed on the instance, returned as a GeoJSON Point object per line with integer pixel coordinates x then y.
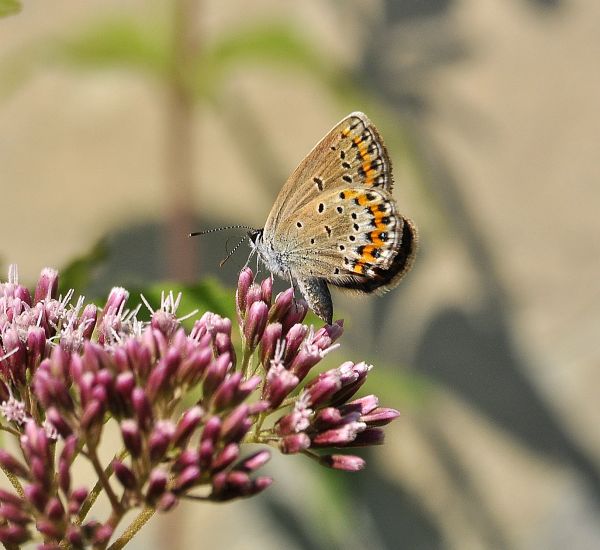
{"type": "Point", "coordinates": [133, 528]}
{"type": "Point", "coordinates": [97, 489]}
{"type": "Point", "coordinates": [14, 482]}
{"type": "Point", "coordinates": [103, 478]}
{"type": "Point", "coordinates": [10, 430]}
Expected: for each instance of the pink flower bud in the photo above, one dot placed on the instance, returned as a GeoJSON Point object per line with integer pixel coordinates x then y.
{"type": "Point", "coordinates": [368, 437]}
{"type": "Point", "coordinates": [224, 395]}
{"type": "Point", "coordinates": [36, 344]}
{"type": "Point", "coordinates": [280, 383]}
{"type": "Point", "coordinates": [10, 463]}
{"type": "Point", "coordinates": [266, 288]}
{"type": "Point", "coordinates": [348, 463]}
{"type": "Point", "coordinates": [293, 339]}
{"type": "Point", "coordinates": [14, 514]}
{"type": "Point", "coordinates": [193, 367]}
{"type": "Point", "coordinates": [226, 457]}
{"type": "Point", "coordinates": [208, 440]}
{"type": "Point", "coordinates": [338, 437]}
{"type": "Point", "coordinates": [255, 461]}
{"type": "Point", "coordinates": [186, 479]}
{"type": "Point", "coordinates": [11, 535]}
{"type": "Point", "coordinates": [255, 323]}
{"type": "Point", "coordinates": [295, 314]}
{"type": "Point", "coordinates": [54, 510]}
{"type": "Point", "coordinates": [36, 496]}
{"type": "Point", "coordinates": [142, 408]}
{"type": "Point", "coordinates": [268, 344]}
{"type": "Point", "coordinates": [88, 320]}
{"type": "Point", "coordinates": [244, 281]}
{"type": "Point", "coordinates": [132, 437]}
{"type": "Point", "coordinates": [186, 425]}
{"type": "Point", "coordinates": [157, 484]}
{"type": "Point", "coordinates": [166, 502]}
{"type": "Point", "coordinates": [160, 439]}
{"type": "Point", "coordinates": [165, 322]}
{"type": "Point", "coordinates": [188, 457]}
{"type": "Point", "coordinates": [47, 286]}
{"type": "Point", "coordinates": [235, 424]}
{"type": "Point", "coordinates": [283, 302]}
{"type": "Point", "coordinates": [215, 374]}
{"type": "Point", "coordinates": [11, 498]}
{"type": "Point", "coordinates": [322, 389]}
{"type": "Point", "coordinates": [103, 534]}
{"type": "Point", "coordinates": [380, 416]}
{"type": "Point", "coordinates": [92, 415]}
{"type": "Point", "coordinates": [125, 475]}
{"type": "Point", "coordinates": [254, 295]}
{"type": "Point", "coordinates": [295, 443]}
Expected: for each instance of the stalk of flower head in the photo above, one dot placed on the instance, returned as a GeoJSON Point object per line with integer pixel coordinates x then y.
{"type": "Point", "coordinates": [68, 370]}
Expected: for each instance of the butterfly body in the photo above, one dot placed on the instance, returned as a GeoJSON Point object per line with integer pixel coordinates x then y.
{"type": "Point", "coordinates": [335, 220]}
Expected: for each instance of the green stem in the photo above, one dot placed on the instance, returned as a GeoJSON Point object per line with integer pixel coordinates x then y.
{"type": "Point", "coordinates": [14, 482]}
{"type": "Point", "coordinates": [103, 478]}
{"type": "Point", "coordinates": [133, 528]}
{"type": "Point", "coordinates": [97, 489]}
{"type": "Point", "coordinates": [11, 431]}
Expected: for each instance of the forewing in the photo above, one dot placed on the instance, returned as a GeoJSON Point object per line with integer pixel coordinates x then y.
{"type": "Point", "coordinates": [351, 154]}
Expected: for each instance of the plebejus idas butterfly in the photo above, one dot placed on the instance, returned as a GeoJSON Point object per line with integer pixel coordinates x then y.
{"type": "Point", "coordinates": [335, 220]}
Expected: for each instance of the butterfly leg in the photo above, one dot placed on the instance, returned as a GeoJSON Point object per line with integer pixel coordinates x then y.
{"type": "Point", "coordinates": [316, 293]}
{"type": "Point", "coordinates": [294, 288]}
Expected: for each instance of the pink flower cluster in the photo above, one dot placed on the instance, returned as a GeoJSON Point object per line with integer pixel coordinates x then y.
{"type": "Point", "coordinates": [184, 404]}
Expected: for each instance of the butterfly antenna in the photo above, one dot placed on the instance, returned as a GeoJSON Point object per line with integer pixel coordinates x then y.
{"type": "Point", "coordinates": [206, 231]}
{"type": "Point", "coordinates": [222, 262]}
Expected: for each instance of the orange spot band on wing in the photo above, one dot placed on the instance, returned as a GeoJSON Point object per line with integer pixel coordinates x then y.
{"type": "Point", "coordinates": [367, 254]}
{"type": "Point", "coordinates": [375, 237]}
{"type": "Point", "coordinates": [349, 194]}
{"type": "Point", "coordinates": [378, 216]}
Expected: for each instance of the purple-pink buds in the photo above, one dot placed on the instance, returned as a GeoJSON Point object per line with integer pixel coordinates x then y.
{"type": "Point", "coordinates": [47, 286]}
{"type": "Point", "coordinates": [255, 323]}
{"type": "Point", "coordinates": [186, 426]}
{"type": "Point", "coordinates": [125, 475]}
{"type": "Point", "coordinates": [349, 463]}
{"type": "Point", "coordinates": [244, 282]}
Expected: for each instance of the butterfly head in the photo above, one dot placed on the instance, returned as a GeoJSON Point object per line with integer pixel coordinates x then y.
{"type": "Point", "coordinates": [255, 236]}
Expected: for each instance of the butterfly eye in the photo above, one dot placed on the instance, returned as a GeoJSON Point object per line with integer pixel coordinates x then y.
{"type": "Point", "coordinates": [299, 224]}
{"type": "Point", "coordinates": [254, 236]}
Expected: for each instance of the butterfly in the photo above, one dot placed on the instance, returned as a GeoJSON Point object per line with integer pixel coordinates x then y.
{"type": "Point", "coordinates": [335, 221]}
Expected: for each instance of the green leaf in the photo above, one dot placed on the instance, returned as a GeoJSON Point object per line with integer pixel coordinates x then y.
{"type": "Point", "coordinates": [398, 387]}
{"type": "Point", "coordinates": [268, 43]}
{"type": "Point", "coordinates": [80, 272]}
{"type": "Point", "coordinates": [122, 41]}
{"type": "Point", "coordinates": [206, 295]}
{"type": "Point", "coordinates": [10, 7]}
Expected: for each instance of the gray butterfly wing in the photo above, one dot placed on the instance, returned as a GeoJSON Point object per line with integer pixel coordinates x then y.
{"type": "Point", "coordinates": [352, 153]}
{"type": "Point", "coordinates": [335, 221]}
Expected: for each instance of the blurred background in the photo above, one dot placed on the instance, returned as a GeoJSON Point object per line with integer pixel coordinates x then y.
{"type": "Point", "coordinates": [126, 124]}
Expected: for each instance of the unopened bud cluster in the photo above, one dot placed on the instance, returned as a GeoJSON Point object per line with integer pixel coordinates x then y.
{"type": "Point", "coordinates": [185, 405]}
